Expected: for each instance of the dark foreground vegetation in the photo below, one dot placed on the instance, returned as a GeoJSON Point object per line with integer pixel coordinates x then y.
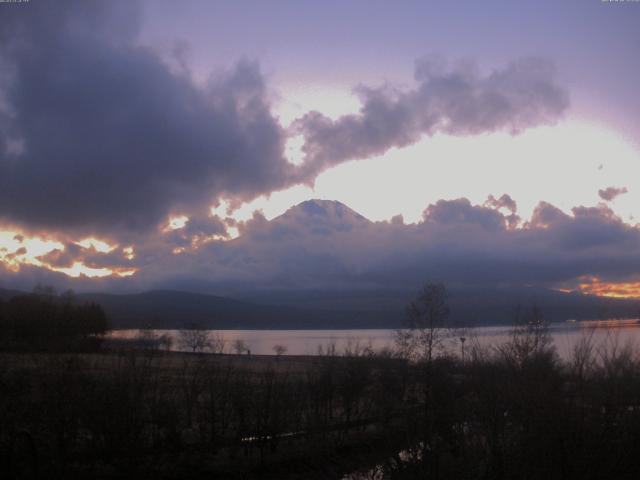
{"type": "Point", "coordinates": [511, 412]}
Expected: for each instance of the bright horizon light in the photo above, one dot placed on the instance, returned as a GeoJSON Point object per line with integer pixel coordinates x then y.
{"type": "Point", "coordinates": [80, 269]}
{"type": "Point", "coordinates": [531, 167]}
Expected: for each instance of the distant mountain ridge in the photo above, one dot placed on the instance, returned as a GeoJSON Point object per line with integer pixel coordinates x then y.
{"type": "Point", "coordinates": [320, 216]}
{"type": "Point", "coordinates": [176, 309]}
{"type": "Point", "coordinates": [324, 208]}
{"type": "Point", "coordinates": [468, 305]}
{"type": "Point", "coordinates": [322, 309]}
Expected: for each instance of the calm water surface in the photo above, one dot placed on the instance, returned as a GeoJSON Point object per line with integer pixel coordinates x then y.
{"type": "Point", "coordinates": [307, 342]}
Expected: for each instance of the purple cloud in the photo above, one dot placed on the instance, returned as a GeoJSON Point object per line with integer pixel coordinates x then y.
{"type": "Point", "coordinates": [456, 101]}
{"type": "Point", "coordinates": [113, 140]}
{"type": "Point", "coordinates": [609, 194]}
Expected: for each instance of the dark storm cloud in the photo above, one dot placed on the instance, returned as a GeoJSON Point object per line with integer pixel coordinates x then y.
{"type": "Point", "coordinates": [457, 101]}
{"type": "Point", "coordinates": [106, 137]}
{"type": "Point", "coordinates": [197, 228]}
{"type": "Point", "coordinates": [71, 253]}
{"type": "Point", "coordinates": [611, 193]}
{"type": "Point", "coordinates": [63, 258]}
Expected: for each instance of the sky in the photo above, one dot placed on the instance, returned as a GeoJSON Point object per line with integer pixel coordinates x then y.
{"type": "Point", "coordinates": [218, 146]}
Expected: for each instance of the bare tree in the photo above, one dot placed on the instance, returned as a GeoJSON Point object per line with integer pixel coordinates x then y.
{"type": "Point", "coordinates": [279, 349]}
{"type": "Point", "coordinates": [239, 346]}
{"type": "Point", "coordinates": [165, 341]}
{"type": "Point", "coordinates": [426, 324]}
{"type": "Point", "coordinates": [529, 338]}
{"type": "Point", "coordinates": [218, 343]}
{"type": "Point", "coordinates": [194, 338]}
{"type": "Point", "coordinates": [329, 350]}
{"type": "Point", "coordinates": [426, 328]}
{"type": "Point", "coordinates": [147, 340]}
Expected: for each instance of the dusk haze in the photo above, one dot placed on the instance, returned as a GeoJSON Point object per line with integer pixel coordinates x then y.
{"type": "Point", "coordinates": [374, 211]}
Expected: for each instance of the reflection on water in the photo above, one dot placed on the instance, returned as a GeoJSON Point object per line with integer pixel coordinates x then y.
{"type": "Point", "coordinates": [627, 323]}
{"type": "Point", "coordinates": [307, 342]}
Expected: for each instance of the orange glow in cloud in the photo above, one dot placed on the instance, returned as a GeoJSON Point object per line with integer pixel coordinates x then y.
{"type": "Point", "coordinates": [17, 249]}
{"type": "Point", "coordinates": [98, 245]}
{"type": "Point", "coordinates": [80, 269]}
{"type": "Point", "coordinates": [198, 241]}
{"type": "Point", "coordinates": [176, 223]}
{"type": "Point", "coordinates": [594, 286]}
{"type": "Point", "coordinates": [129, 253]}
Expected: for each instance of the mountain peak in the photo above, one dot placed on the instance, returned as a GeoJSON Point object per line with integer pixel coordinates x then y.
{"type": "Point", "coordinates": [321, 216]}
{"type": "Point", "coordinates": [326, 208]}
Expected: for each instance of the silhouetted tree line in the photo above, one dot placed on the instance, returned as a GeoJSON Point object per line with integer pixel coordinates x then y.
{"type": "Point", "coordinates": [46, 321]}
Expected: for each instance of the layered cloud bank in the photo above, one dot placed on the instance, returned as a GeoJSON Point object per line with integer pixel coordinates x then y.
{"type": "Point", "coordinates": [324, 244]}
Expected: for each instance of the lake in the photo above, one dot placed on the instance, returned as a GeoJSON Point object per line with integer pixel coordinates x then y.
{"type": "Point", "coordinates": [307, 342]}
